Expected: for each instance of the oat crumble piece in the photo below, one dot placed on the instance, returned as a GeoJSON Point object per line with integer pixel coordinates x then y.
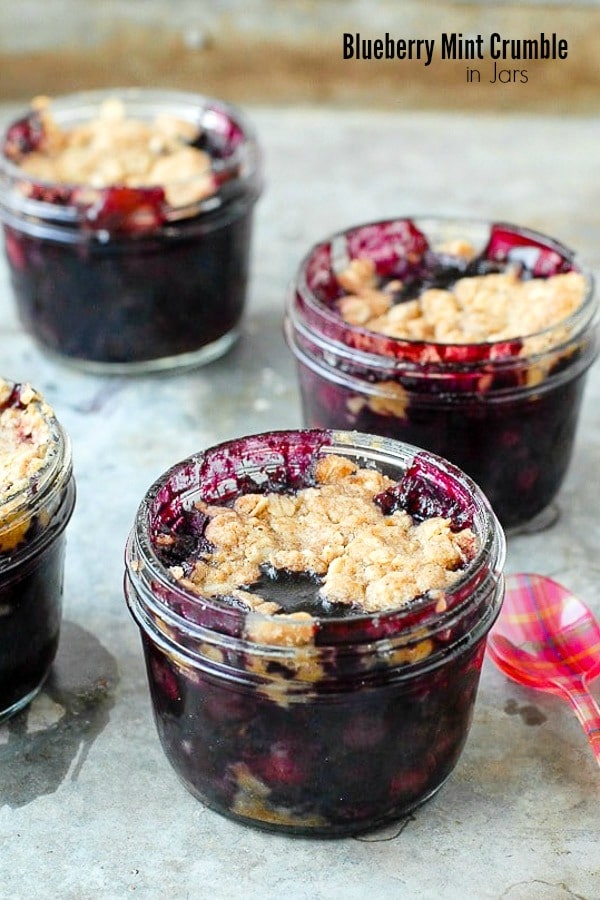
{"type": "Point", "coordinates": [113, 149]}
{"type": "Point", "coordinates": [359, 276]}
{"type": "Point", "coordinates": [334, 530]}
{"type": "Point", "coordinates": [476, 309]}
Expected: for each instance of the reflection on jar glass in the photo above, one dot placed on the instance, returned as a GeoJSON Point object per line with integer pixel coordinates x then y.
{"type": "Point", "coordinates": [127, 224]}
{"type": "Point", "coordinates": [37, 495]}
{"type": "Point", "coordinates": [472, 340]}
{"type": "Point", "coordinates": [304, 700]}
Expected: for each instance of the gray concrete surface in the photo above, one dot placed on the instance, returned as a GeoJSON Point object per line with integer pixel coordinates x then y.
{"type": "Point", "coordinates": [89, 807]}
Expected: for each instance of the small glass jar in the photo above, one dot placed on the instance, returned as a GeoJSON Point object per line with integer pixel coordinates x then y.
{"type": "Point", "coordinates": [33, 519]}
{"type": "Point", "coordinates": [331, 731]}
{"type": "Point", "coordinates": [506, 419]}
{"type": "Point", "coordinates": [120, 280]}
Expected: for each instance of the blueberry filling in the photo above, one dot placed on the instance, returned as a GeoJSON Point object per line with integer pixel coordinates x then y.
{"type": "Point", "coordinates": [424, 492]}
{"type": "Point", "coordinates": [325, 766]}
{"type": "Point", "coordinates": [298, 592]}
{"type": "Point", "coordinates": [438, 270]}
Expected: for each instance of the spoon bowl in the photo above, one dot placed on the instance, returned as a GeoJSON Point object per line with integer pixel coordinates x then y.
{"type": "Point", "coordinates": [547, 639]}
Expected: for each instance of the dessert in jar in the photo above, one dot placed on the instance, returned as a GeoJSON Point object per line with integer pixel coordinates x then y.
{"type": "Point", "coordinates": [470, 339]}
{"type": "Point", "coordinates": [127, 224]}
{"type": "Point", "coordinates": [313, 608]}
{"type": "Point", "coordinates": [37, 495]}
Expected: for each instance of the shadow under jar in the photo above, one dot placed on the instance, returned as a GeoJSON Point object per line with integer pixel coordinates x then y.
{"type": "Point", "coordinates": [505, 411]}
{"type": "Point", "coordinates": [37, 496]}
{"type": "Point", "coordinates": [127, 276]}
{"type": "Point", "coordinates": [315, 718]}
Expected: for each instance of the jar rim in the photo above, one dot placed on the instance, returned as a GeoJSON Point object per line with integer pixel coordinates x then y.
{"type": "Point", "coordinates": [238, 172]}
{"type": "Point", "coordinates": [328, 325]}
{"type": "Point", "coordinates": [142, 560]}
{"type": "Point", "coordinates": [203, 648]}
{"type": "Point", "coordinates": [351, 364]}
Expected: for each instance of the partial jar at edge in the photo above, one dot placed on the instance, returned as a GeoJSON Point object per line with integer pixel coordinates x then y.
{"type": "Point", "coordinates": [121, 281]}
{"type": "Point", "coordinates": [507, 420]}
{"type": "Point", "coordinates": [327, 737]}
{"type": "Point", "coordinates": [32, 550]}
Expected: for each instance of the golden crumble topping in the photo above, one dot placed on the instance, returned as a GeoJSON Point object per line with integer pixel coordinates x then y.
{"type": "Point", "coordinates": [25, 439]}
{"type": "Point", "coordinates": [334, 531]}
{"type": "Point", "coordinates": [252, 800]}
{"type": "Point", "coordinates": [477, 309]}
{"type": "Point", "coordinates": [113, 149]}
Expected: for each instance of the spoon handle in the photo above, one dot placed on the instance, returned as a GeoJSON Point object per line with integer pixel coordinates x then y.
{"type": "Point", "coordinates": [588, 712]}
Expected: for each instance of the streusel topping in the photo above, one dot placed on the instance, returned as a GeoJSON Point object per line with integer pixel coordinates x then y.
{"type": "Point", "coordinates": [114, 149]}
{"type": "Point", "coordinates": [334, 531]}
{"type": "Point", "coordinates": [476, 309]}
{"type": "Point", "coordinates": [25, 439]}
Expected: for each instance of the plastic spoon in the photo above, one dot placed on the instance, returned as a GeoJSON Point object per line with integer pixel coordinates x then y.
{"type": "Point", "coordinates": [547, 639]}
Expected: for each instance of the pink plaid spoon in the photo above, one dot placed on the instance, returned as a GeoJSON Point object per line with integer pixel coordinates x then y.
{"type": "Point", "coordinates": [548, 639]}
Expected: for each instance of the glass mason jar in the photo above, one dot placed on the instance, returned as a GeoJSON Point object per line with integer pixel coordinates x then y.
{"type": "Point", "coordinates": [122, 279]}
{"type": "Point", "coordinates": [33, 518]}
{"type": "Point", "coordinates": [505, 418]}
{"type": "Point", "coordinates": [325, 729]}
